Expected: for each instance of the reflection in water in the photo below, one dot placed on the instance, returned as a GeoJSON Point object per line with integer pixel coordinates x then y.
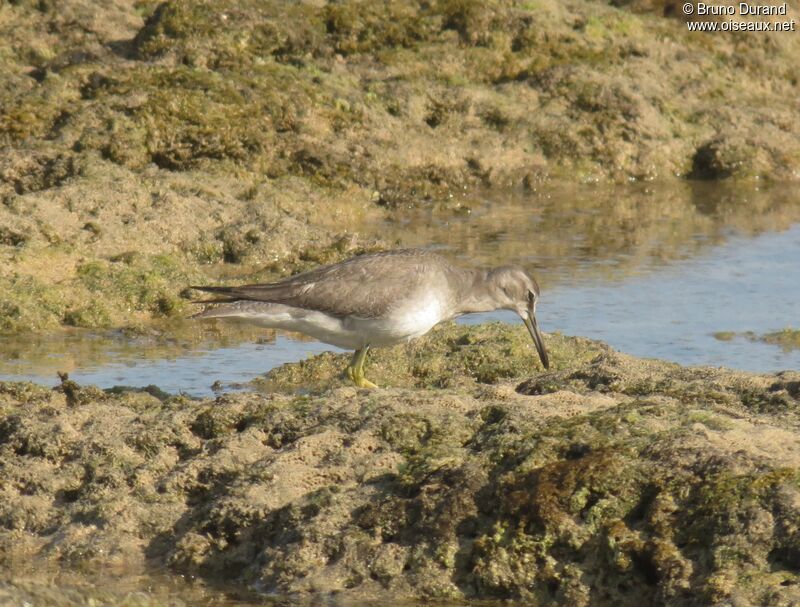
{"type": "Point", "coordinates": [674, 312]}
{"type": "Point", "coordinates": [574, 232]}
{"type": "Point", "coordinates": [74, 349]}
{"type": "Point", "coordinates": [123, 586]}
{"type": "Point", "coordinates": [186, 357]}
{"type": "Point", "coordinates": [654, 271]}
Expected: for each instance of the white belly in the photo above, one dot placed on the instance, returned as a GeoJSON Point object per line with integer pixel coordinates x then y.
{"type": "Point", "coordinates": [350, 333]}
{"type": "Point", "coordinates": [401, 325]}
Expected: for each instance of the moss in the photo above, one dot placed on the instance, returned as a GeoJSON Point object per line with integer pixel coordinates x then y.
{"type": "Point", "coordinates": [722, 157]}
{"type": "Point", "coordinates": [592, 487]}
{"type": "Point", "coordinates": [788, 339]}
{"type": "Point", "coordinates": [761, 400]}
{"type": "Point", "coordinates": [715, 422]}
{"type": "Point", "coordinates": [151, 390]}
{"type": "Point", "coordinates": [192, 114]}
{"type": "Point", "coordinates": [174, 22]}
{"type": "Point", "coordinates": [406, 433]}
{"type": "Point", "coordinates": [613, 24]}
{"type": "Point", "coordinates": [541, 45]}
{"type": "Point", "coordinates": [553, 509]}
{"type": "Point", "coordinates": [476, 22]}
{"type": "Point", "coordinates": [230, 34]}
{"type": "Point", "coordinates": [101, 294]}
{"type": "Point", "coordinates": [611, 372]}
{"type": "Point", "coordinates": [330, 96]}
{"type": "Point", "coordinates": [363, 27]}
{"type": "Point", "coordinates": [27, 116]}
{"type": "Point", "coordinates": [94, 315]}
{"type": "Point", "coordinates": [717, 506]}
{"type": "Point", "coordinates": [27, 304]}
{"type": "Point", "coordinates": [419, 493]}
{"type": "Point", "coordinates": [449, 356]}
{"type": "Point", "coordinates": [24, 392]}
{"type": "Point", "coordinates": [216, 421]}
{"type": "Point", "coordinates": [146, 284]}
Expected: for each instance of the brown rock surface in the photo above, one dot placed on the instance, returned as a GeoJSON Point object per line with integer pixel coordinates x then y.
{"type": "Point", "coordinates": [608, 480]}
{"type": "Point", "coordinates": [146, 146]}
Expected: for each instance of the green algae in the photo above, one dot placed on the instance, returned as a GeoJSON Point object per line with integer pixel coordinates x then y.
{"type": "Point", "coordinates": [26, 304]}
{"type": "Point", "coordinates": [361, 102]}
{"type": "Point", "coordinates": [190, 115]}
{"type": "Point", "coordinates": [788, 339]}
{"type": "Point", "coordinates": [229, 34]}
{"type": "Point", "coordinates": [141, 283]}
{"type": "Point", "coordinates": [699, 385]}
{"type": "Point", "coordinates": [244, 43]}
{"type": "Point", "coordinates": [104, 294]}
{"type": "Point", "coordinates": [467, 492]}
{"type": "Point", "coordinates": [605, 480]}
{"type": "Point", "coordinates": [487, 354]}
{"type": "Point", "coordinates": [366, 27]}
{"type": "Point", "coordinates": [93, 315]}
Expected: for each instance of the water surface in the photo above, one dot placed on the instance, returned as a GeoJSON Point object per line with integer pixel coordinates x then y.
{"type": "Point", "coordinates": [654, 271]}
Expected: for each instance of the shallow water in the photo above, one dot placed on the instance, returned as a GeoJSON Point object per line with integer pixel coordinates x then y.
{"type": "Point", "coordinates": [204, 370]}
{"type": "Point", "coordinates": [157, 588]}
{"type": "Point", "coordinates": [672, 312]}
{"type": "Point", "coordinates": [654, 272]}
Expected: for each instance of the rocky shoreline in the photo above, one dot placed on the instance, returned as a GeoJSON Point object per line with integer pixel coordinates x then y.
{"type": "Point", "coordinates": [608, 480]}
{"type": "Point", "coordinates": [148, 146]}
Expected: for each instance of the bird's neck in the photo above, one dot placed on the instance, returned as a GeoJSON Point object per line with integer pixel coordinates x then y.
{"type": "Point", "coordinates": [476, 295]}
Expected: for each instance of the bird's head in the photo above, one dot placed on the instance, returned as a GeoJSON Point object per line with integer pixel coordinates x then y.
{"type": "Point", "coordinates": [515, 289]}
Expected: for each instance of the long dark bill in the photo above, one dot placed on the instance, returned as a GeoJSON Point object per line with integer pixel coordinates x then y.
{"type": "Point", "coordinates": [533, 329]}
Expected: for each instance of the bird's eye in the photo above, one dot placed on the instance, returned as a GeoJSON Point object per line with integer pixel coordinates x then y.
{"type": "Point", "coordinates": [531, 296]}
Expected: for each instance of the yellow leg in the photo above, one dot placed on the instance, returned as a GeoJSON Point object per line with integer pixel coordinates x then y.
{"type": "Point", "coordinates": [356, 369]}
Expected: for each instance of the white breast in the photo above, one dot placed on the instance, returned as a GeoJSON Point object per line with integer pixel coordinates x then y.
{"type": "Point", "coordinates": [414, 319]}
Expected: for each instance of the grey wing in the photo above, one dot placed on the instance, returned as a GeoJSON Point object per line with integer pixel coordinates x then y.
{"type": "Point", "coordinates": [365, 286]}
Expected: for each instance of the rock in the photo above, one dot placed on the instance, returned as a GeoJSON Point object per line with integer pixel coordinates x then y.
{"type": "Point", "coordinates": [608, 479]}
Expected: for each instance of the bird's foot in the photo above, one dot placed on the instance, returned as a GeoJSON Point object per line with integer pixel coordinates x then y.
{"type": "Point", "coordinates": [359, 380]}
{"type": "Point", "coordinates": [355, 371]}
{"type": "Point", "coordinates": [363, 382]}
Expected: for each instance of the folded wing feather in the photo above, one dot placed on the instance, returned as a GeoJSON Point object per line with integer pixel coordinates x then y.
{"type": "Point", "coordinates": [367, 286]}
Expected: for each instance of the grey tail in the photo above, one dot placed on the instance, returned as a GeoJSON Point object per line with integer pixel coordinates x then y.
{"type": "Point", "coordinates": [221, 311]}
{"type": "Point", "coordinates": [217, 311]}
{"type": "Point", "coordinates": [218, 300]}
{"type": "Point", "coordinates": [230, 296]}
{"type": "Point", "coordinates": [224, 290]}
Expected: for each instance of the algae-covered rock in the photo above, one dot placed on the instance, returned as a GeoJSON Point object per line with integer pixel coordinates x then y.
{"type": "Point", "coordinates": [608, 480]}
{"type": "Point", "coordinates": [450, 356]}
{"type": "Point", "coordinates": [242, 133]}
{"type": "Point", "coordinates": [787, 339]}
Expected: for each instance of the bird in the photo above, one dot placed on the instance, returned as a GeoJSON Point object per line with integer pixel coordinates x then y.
{"type": "Point", "coordinates": [378, 299]}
